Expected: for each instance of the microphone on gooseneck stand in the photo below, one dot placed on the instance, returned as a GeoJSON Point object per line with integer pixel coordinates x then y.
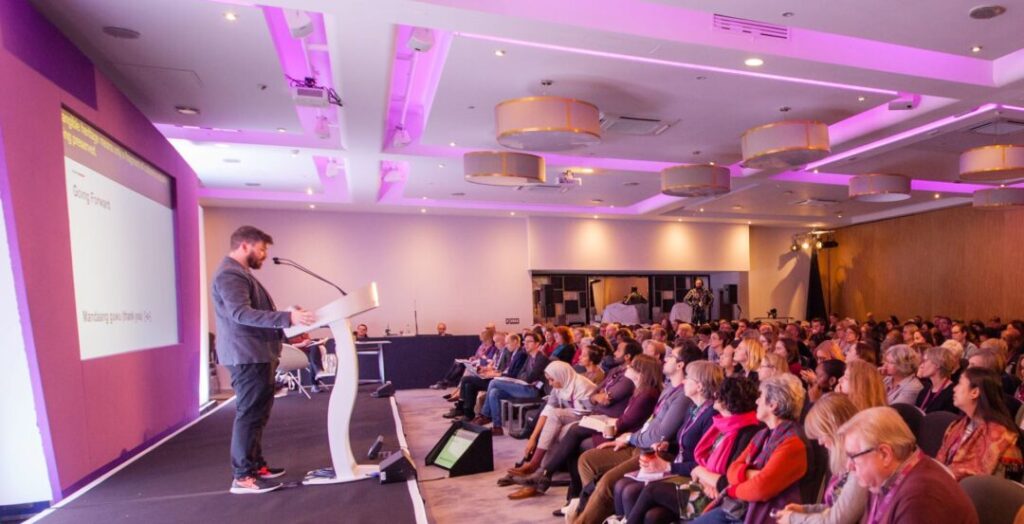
{"type": "Point", "coordinates": [300, 267]}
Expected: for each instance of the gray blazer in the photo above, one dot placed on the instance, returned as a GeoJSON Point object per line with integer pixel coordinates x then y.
{"type": "Point", "coordinates": [249, 330]}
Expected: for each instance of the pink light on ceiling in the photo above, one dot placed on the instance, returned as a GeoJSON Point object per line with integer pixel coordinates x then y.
{"type": "Point", "coordinates": [891, 139]}
{"type": "Point", "coordinates": [684, 65]}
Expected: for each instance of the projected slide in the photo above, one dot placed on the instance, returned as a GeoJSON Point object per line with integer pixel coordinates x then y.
{"type": "Point", "coordinates": [121, 218]}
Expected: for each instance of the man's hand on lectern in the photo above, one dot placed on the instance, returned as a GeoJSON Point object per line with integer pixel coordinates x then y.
{"type": "Point", "coordinates": [302, 317]}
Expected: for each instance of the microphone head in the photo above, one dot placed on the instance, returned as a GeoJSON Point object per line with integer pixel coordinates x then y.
{"type": "Point", "coordinates": [276, 260]}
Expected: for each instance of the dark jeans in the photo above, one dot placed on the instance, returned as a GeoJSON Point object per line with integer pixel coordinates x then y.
{"type": "Point", "coordinates": [468, 389]}
{"type": "Point", "coordinates": [254, 396]}
{"type": "Point", "coordinates": [454, 374]}
{"type": "Point", "coordinates": [565, 455]}
{"type": "Point", "coordinates": [653, 503]}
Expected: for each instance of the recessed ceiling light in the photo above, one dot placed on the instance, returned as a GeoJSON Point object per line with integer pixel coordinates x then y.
{"type": "Point", "coordinates": [583, 170]}
{"type": "Point", "coordinates": [596, 217]}
{"type": "Point", "coordinates": [186, 110]}
{"type": "Point", "coordinates": [596, 201]}
{"type": "Point", "coordinates": [985, 12]}
{"type": "Point", "coordinates": [839, 216]}
{"type": "Point", "coordinates": [702, 77]}
{"type": "Point", "coordinates": [451, 144]}
{"type": "Point", "coordinates": [423, 198]}
{"type": "Point", "coordinates": [309, 191]}
{"type": "Point", "coordinates": [788, 14]}
{"type": "Point", "coordinates": [861, 98]}
{"type": "Point", "coordinates": [499, 52]}
{"type": "Point", "coordinates": [230, 16]}
{"type": "Point", "coordinates": [749, 222]}
{"type": "Point", "coordinates": [440, 166]}
{"type": "Point", "coordinates": [232, 161]}
{"type": "Point", "coordinates": [253, 184]}
{"type": "Point", "coordinates": [976, 49]}
{"type": "Point", "coordinates": [511, 213]}
{"type": "Point", "coordinates": [1002, 185]}
{"type": "Point", "coordinates": [458, 194]}
{"type": "Point", "coordinates": [312, 206]}
{"type": "Point", "coordinates": [701, 210]}
{"type": "Point", "coordinates": [753, 62]}
{"type": "Point", "coordinates": [423, 210]}
{"type": "Point", "coordinates": [785, 109]}
{"type": "Point", "coordinates": [281, 130]}
{"type": "Point", "coordinates": [470, 107]}
{"type": "Point", "coordinates": [815, 171]}
{"type": "Point", "coordinates": [121, 32]}
{"type": "Point", "coordinates": [936, 195]}
{"type": "Point", "coordinates": [711, 163]}
{"type": "Point", "coordinates": [295, 152]}
{"type": "Point", "coordinates": [737, 206]}
{"type": "Point", "coordinates": [631, 184]}
{"type": "Point", "coordinates": [679, 220]}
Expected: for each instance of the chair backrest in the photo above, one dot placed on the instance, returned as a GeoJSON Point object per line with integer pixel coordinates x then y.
{"type": "Point", "coordinates": [996, 499]}
{"type": "Point", "coordinates": [912, 416]}
{"type": "Point", "coordinates": [813, 482]}
{"type": "Point", "coordinates": [933, 428]}
{"type": "Point", "coordinates": [292, 359]}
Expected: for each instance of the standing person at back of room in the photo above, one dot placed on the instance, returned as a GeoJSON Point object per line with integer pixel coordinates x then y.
{"type": "Point", "coordinates": [249, 337]}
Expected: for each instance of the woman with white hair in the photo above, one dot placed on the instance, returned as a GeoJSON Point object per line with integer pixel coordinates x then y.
{"type": "Point", "coordinates": [937, 366]}
{"type": "Point", "coordinates": [766, 475]}
{"type": "Point", "coordinates": [900, 370]}
{"type": "Point", "coordinates": [568, 390]}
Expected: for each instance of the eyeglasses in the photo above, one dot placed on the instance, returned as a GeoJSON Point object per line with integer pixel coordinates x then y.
{"type": "Point", "coordinates": [854, 456]}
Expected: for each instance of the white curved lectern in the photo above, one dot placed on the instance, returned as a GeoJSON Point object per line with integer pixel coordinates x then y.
{"type": "Point", "coordinates": [336, 315]}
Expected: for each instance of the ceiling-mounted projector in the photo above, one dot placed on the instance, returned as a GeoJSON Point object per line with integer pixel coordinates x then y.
{"type": "Point", "coordinates": [299, 23]}
{"type": "Point", "coordinates": [421, 40]}
{"type": "Point", "coordinates": [310, 96]}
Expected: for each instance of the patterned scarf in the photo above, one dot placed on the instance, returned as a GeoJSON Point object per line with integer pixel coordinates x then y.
{"type": "Point", "coordinates": [767, 440]}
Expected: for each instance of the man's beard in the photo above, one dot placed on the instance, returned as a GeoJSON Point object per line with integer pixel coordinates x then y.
{"type": "Point", "coordinates": [253, 261]}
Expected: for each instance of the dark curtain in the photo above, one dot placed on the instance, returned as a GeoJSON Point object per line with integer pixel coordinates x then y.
{"type": "Point", "coordinates": [815, 295]}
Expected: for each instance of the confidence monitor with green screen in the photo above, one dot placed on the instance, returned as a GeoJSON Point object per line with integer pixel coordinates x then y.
{"type": "Point", "coordinates": [463, 450]}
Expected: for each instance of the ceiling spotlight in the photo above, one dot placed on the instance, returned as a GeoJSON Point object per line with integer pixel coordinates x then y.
{"type": "Point", "coordinates": [401, 137]}
{"type": "Point", "coordinates": [679, 220]}
{"type": "Point", "coordinates": [753, 62]}
{"type": "Point", "coordinates": [186, 110]}
{"type": "Point", "coordinates": [295, 152]}
{"type": "Point", "coordinates": [423, 210]}
{"type": "Point", "coordinates": [511, 213]}
{"type": "Point", "coordinates": [440, 166]}
{"type": "Point", "coordinates": [861, 98]}
{"type": "Point", "coordinates": [711, 163]}
{"type": "Point", "coordinates": [701, 210]}
{"type": "Point", "coordinates": [451, 144]}
{"type": "Point", "coordinates": [936, 196]}
{"type": "Point", "coordinates": [806, 245]}
{"type": "Point", "coordinates": [749, 222]}
{"type": "Point", "coordinates": [596, 217]}
{"type": "Point", "coordinates": [818, 244]}
{"type": "Point", "coordinates": [499, 52]}
{"type": "Point", "coordinates": [976, 49]}
{"type": "Point", "coordinates": [309, 191]}
{"type": "Point", "coordinates": [794, 247]}
{"type": "Point", "coordinates": [230, 16]}
{"type": "Point", "coordinates": [423, 198]}
{"type": "Point", "coordinates": [312, 206]}
{"type": "Point", "coordinates": [281, 130]}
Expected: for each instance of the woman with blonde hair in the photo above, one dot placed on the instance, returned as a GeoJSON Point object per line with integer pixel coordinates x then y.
{"type": "Point", "coordinates": [863, 383]}
{"type": "Point", "coordinates": [749, 355]}
{"type": "Point", "coordinates": [844, 501]}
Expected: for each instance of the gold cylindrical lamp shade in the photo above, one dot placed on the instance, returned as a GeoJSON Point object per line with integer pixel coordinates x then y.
{"type": "Point", "coordinates": [784, 144]}
{"type": "Point", "coordinates": [696, 180]}
{"type": "Point", "coordinates": [992, 163]}
{"type": "Point", "coordinates": [999, 198]}
{"type": "Point", "coordinates": [880, 188]}
{"type": "Point", "coordinates": [503, 168]}
{"type": "Point", "coordinates": [547, 123]}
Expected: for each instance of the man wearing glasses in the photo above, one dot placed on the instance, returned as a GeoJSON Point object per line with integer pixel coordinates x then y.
{"type": "Point", "coordinates": [906, 486]}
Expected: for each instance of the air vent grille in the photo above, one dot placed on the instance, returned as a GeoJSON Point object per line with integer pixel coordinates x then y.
{"type": "Point", "coordinates": [815, 202]}
{"type": "Point", "coordinates": [999, 127]}
{"type": "Point", "coordinates": [634, 125]}
{"type": "Point", "coordinates": [750, 27]}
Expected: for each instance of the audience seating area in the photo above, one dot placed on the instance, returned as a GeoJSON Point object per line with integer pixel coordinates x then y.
{"type": "Point", "coordinates": [647, 424]}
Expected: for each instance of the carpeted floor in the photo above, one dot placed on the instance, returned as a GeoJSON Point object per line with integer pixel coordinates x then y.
{"type": "Point", "coordinates": [471, 498]}
{"type": "Point", "coordinates": [187, 478]}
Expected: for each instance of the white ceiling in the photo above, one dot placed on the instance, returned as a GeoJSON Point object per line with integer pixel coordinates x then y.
{"type": "Point", "coordinates": [628, 57]}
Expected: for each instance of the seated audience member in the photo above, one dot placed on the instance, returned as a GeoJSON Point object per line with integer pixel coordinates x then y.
{"type": "Point", "coordinates": [772, 365]}
{"type": "Point", "coordinates": [569, 391]}
{"type": "Point", "coordinates": [788, 349]}
{"type": "Point", "coordinates": [1019, 394]}
{"type": "Point", "coordinates": [748, 355]}
{"type": "Point", "coordinates": [442, 329]}
{"type": "Point", "coordinates": [684, 331]}
{"type": "Point", "coordinates": [962, 334]}
{"type": "Point", "coordinates": [643, 335]}
{"type": "Point", "coordinates": [730, 432]}
{"type": "Point", "coordinates": [828, 350]}
{"type": "Point", "coordinates": [844, 500]}
{"type": "Point", "coordinates": [716, 344]}
{"type": "Point", "coordinates": [864, 385]}
{"type": "Point", "coordinates": [653, 348]}
{"type": "Point", "coordinates": [937, 367]}
{"type": "Point", "coordinates": [984, 440]}
{"type": "Point", "coordinates": [766, 475]}
{"type": "Point", "coordinates": [645, 373]}
{"type": "Point", "coordinates": [549, 345]}
{"type": "Point", "coordinates": [312, 350]}
{"type": "Point", "coordinates": [484, 352]}
{"type": "Point", "coordinates": [682, 422]}
{"type": "Point", "coordinates": [523, 386]}
{"type": "Point", "coordinates": [900, 369]}
{"type": "Point", "coordinates": [904, 485]}
{"type": "Point", "coordinates": [863, 351]}
{"type": "Point", "coordinates": [564, 350]}
{"type": "Point", "coordinates": [591, 362]}
{"type": "Point", "coordinates": [908, 332]}
{"type": "Point", "coordinates": [704, 337]}
{"type": "Point", "coordinates": [986, 358]}
{"type": "Point", "coordinates": [510, 363]}
{"type": "Point", "coordinates": [824, 379]}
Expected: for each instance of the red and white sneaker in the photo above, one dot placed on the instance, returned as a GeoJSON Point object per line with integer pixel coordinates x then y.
{"type": "Point", "coordinates": [269, 473]}
{"type": "Point", "coordinates": [252, 485]}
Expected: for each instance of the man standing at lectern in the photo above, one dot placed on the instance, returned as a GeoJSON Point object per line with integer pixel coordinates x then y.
{"type": "Point", "coordinates": [249, 337]}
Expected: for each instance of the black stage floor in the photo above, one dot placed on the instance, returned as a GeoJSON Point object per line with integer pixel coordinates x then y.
{"type": "Point", "coordinates": [187, 478]}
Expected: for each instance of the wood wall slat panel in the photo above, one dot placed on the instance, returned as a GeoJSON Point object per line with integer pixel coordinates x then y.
{"type": "Point", "coordinates": [960, 262]}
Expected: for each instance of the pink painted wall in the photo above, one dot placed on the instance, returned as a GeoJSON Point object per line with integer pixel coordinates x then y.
{"type": "Point", "coordinates": [92, 413]}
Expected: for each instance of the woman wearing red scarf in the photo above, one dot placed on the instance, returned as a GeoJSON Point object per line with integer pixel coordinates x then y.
{"type": "Point", "coordinates": [730, 433]}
